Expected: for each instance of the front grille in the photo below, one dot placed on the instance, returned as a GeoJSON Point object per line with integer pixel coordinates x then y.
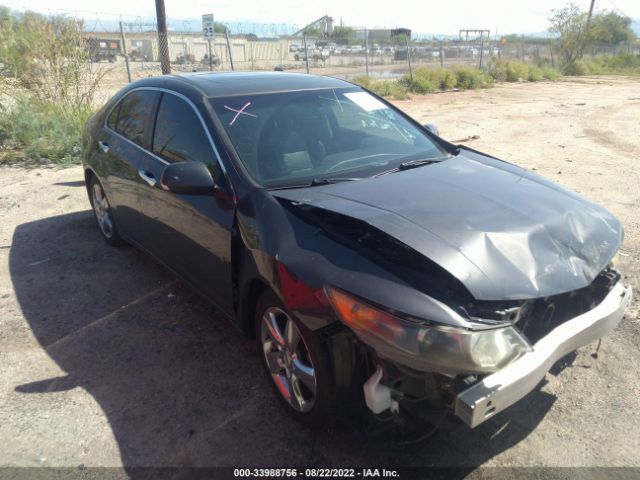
{"type": "Point", "coordinates": [545, 314]}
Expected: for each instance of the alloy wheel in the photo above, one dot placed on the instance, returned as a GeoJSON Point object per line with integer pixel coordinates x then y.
{"type": "Point", "coordinates": [288, 359]}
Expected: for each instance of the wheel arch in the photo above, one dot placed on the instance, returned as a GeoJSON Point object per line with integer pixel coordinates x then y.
{"type": "Point", "coordinates": [251, 292]}
{"type": "Point", "coordinates": [89, 174]}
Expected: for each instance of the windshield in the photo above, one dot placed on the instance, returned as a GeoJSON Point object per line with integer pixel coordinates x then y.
{"type": "Point", "coordinates": [289, 139]}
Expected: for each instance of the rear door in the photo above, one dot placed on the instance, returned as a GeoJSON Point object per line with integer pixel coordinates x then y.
{"type": "Point", "coordinates": [122, 148]}
{"type": "Point", "coordinates": [191, 233]}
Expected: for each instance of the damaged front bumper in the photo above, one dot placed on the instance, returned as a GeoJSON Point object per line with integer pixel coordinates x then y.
{"type": "Point", "coordinates": [499, 390]}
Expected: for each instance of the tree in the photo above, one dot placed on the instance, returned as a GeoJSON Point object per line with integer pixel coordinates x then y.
{"type": "Point", "coordinates": [611, 28]}
{"type": "Point", "coordinates": [313, 32]}
{"type": "Point", "coordinates": [569, 24]}
{"type": "Point", "coordinates": [48, 58]}
{"type": "Point", "coordinates": [219, 27]}
{"type": "Point", "coordinates": [343, 35]}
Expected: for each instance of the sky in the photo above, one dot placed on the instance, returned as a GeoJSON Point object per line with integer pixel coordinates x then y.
{"type": "Point", "coordinates": [422, 16]}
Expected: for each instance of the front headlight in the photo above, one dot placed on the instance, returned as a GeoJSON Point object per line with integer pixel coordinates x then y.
{"type": "Point", "coordinates": [441, 349]}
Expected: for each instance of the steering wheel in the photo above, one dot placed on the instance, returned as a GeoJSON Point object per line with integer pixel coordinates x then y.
{"type": "Point", "coordinates": [349, 160]}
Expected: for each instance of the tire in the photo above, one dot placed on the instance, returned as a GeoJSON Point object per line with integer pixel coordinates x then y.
{"type": "Point", "coordinates": [103, 214]}
{"type": "Point", "coordinates": [298, 360]}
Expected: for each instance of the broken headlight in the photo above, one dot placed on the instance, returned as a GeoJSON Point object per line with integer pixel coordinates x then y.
{"type": "Point", "coordinates": [433, 348]}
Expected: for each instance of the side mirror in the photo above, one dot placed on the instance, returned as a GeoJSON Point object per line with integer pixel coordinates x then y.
{"type": "Point", "coordinates": [189, 178]}
{"type": "Point", "coordinates": [432, 128]}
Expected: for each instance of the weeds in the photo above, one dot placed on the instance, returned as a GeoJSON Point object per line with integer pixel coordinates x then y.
{"type": "Point", "coordinates": [428, 80]}
{"type": "Point", "coordinates": [623, 63]}
{"type": "Point", "coordinates": [41, 129]}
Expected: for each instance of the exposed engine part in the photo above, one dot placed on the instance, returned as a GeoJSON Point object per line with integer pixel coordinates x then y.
{"type": "Point", "coordinates": [393, 387]}
{"type": "Point", "coordinates": [377, 396]}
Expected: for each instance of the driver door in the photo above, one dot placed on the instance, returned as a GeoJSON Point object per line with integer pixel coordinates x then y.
{"type": "Point", "coordinates": [189, 233]}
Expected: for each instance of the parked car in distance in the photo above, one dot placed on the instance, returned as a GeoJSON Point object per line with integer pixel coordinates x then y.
{"type": "Point", "coordinates": [314, 54]}
{"type": "Point", "coordinates": [382, 270]}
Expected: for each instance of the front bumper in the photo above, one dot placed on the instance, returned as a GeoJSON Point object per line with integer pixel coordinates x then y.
{"type": "Point", "coordinates": [505, 387]}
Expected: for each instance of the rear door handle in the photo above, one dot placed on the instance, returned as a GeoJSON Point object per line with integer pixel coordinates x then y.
{"type": "Point", "coordinates": [104, 146]}
{"type": "Point", "coordinates": [147, 177]}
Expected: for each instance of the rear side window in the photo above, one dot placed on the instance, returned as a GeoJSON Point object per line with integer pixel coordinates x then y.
{"type": "Point", "coordinates": [179, 135]}
{"type": "Point", "coordinates": [135, 114]}
{"type": "Point", "coordinates": [113, 117]}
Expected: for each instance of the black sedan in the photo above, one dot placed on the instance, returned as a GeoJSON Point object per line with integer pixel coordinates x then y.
{"type": "Point", "coordinates": [382, 270]}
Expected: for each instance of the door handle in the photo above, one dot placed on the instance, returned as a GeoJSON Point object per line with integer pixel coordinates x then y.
{"type": "Point", "coordinates": [147, 177]}
{"type": "Point", "coordinates": [104, 146]}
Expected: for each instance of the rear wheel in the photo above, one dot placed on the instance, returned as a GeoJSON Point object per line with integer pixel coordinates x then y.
{"type": "Point", "coordinates": [295, 361]}
{"type": "Point", "coordinates": [103, 213]}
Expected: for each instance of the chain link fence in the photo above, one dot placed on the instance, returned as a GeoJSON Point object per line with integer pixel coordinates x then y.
{"type": "Point", "coordinates": [379, 53]}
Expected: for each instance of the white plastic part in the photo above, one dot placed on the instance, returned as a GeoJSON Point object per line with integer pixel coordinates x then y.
{"type": "Point", "coordinates": [377, 397]}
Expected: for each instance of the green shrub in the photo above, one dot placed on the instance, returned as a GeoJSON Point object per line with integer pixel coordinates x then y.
{"type": "Point", "coordinates": [363, 81]}
{"type": "Point", "coordinates": [535, 74]}
{"type": "Point", "coordinates": [385, 88]}
{"type": "Point", "coordinates": [550, 73]}
{"type": "Point", "coordinates": [576, 68]}
{"type": "Point", "coordinates": [622, 63]}
{"type": "Point", "coordinates": [517, 72]}
{"type": "Point", "coordinates": [498, 70]}
{"type": "Point", "coordinates": [421, 83]}
{"type": "Point", "coordinates": [512, 71]}
{"type": "Point", "coordinates": [472, 78]}
{"type": "Point", "coordinates": [42, 129]}
{"type": "Point", "coordinates": [398, 92]}
{"type": "Point", "coordinates": [446, 79]}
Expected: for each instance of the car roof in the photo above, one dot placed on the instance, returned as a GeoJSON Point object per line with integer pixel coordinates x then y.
{"type": "Point", "coordinates": [248, 83]}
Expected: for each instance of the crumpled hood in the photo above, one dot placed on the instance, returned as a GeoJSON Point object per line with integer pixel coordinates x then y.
{"type": "Point", "coordinates": [504, 232]}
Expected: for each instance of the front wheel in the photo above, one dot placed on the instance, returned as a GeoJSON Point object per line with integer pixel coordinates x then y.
{"type": "Point", "coordinates": [296, 362]}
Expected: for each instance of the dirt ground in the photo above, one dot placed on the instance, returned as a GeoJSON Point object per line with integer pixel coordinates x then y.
{"type": "Point", "coordinates": [108, 360]}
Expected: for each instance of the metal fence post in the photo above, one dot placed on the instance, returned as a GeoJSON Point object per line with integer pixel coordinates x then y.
{"type": "Point", "coordinates": [366, 51]}
{"type": "Point", "coordinates": [306, 53]}
{"type": "Point", "coordinates": [210, 56]}
{"type": "Point", "coordinates": [409, 59]}
{"type": "Point", "coordinates": [522, 48]}
{"type": "Point", "coordinates": [481, 50]}
{"type": "Point", "coordinates": [226, 36]}
{"type": "Point", "coordinates": [441, 54]}
{"type": "Point", "coordinates": [124, 50]}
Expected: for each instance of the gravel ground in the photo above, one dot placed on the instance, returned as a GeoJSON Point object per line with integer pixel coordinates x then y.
{"type": "Point", "coordinates": [108, 360]}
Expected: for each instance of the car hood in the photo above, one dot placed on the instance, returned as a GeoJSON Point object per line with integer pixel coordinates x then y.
{"type": "Point", "coordinates": [504, 232]}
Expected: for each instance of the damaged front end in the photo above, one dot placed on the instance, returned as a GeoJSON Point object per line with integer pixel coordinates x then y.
{"type": "Point", "coordinates": [437, 316]}
{"type": "Point", "coordinates": [477, 372]}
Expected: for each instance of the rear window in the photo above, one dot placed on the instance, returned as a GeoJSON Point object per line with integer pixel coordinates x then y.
{"type": "Point", "coordinates": [135, 114]}
{"type": "Point", "coordinates": [113, 118]}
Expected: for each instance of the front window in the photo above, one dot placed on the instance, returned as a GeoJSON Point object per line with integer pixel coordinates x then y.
{"type": "Point", "coordinates": [292, 138]}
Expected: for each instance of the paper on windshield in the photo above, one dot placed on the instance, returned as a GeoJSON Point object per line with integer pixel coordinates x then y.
{"type": "Point", "coordinates": [365, 101]}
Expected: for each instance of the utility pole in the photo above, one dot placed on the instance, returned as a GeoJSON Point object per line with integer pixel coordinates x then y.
{"type": "Point", "coordinates": [585, 39]}
{"type": "Point", "coordinates": [406, 38]}
{"type": "Point", "coordinates": [124, 50]}
{"type": "Point", "coordinates": [163, 40]}
{"type": "Point", "coordinates": [366, 51]}
{"type": "Point", "coordinates": [306, 52]}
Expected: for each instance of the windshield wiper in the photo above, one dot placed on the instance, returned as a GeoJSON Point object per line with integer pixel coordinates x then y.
{"type": "Point", "coordinates": [315, 182]}
{"type": "Point", "coordinates": [329, 180]}
{"type": "Point", "coordinates": [409, 165]}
